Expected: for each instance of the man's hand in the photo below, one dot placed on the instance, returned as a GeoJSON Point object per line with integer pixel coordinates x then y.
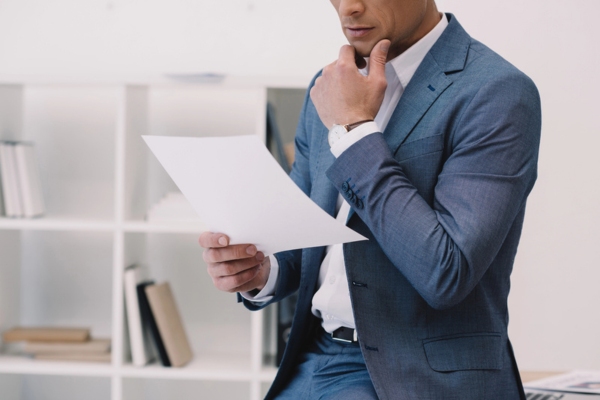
{"type": "Point", "coordinates": [234, 268]}
{"type": "Point", "coordinates": [342, 95]}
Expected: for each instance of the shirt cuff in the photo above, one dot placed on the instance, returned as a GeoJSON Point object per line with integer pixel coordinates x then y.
{"type": "Point", "coordinates": [353, 136]}
{"type": "Point", "coordinates": [268, 291]}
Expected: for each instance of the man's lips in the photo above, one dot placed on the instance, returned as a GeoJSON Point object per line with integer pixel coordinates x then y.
{"type": "Point", "coordinates": [358, 31]}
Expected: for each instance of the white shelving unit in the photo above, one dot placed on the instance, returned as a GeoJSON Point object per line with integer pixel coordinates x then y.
{"type": "Point", "coordinates": [99, 179]}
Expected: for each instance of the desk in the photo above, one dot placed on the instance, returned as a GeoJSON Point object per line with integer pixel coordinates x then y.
{"type": "Point", "coordinates": [528, 376]}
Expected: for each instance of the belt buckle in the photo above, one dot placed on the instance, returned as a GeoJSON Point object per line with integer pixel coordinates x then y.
{"type": "Point", "coordinates": [339, 339]}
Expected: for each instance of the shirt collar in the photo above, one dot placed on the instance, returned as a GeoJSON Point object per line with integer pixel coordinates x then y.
{"type": "Point", "coordinates": [406, 64]}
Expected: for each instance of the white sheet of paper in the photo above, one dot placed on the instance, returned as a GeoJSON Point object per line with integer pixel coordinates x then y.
{"type": "Point", "coordinates": [237, 188]}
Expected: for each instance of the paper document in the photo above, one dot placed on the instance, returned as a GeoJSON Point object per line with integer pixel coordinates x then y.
{"type": "Point", "coordinates": [237, 188]}
{"type": "Point", "coordinates": [575, 382]}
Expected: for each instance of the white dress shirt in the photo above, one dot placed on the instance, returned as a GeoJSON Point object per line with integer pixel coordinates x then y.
{"type": "Point", "coordinates": [331, 302]}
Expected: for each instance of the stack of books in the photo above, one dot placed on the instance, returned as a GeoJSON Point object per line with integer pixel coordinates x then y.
{"type": "Point", "coordinates": [20, 186]}
{"type": "Point", "coordinates": [61, 344]}
{"type": "Point", "coordinates": [154, 322]}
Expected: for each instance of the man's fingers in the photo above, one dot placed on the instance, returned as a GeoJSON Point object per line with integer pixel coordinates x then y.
{"type": "Point", "coordinates": [378, 58]}
{"type": "Point", "coordinates": [229, 276]}
{"type": "Point", "coordinates": [230, 268]}
{"type": "Point", "coordinates": [233, 283]}
{"type": "Point", "coordinates": [347, 55]}
{"type": "Point", "coordinates": [346, 51]}
{"type": "Point", "coordinates": [211, 239]}
{"type": "Point", "coordinates": [231, 253]}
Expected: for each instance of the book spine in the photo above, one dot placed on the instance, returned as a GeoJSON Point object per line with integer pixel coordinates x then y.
{"type": "Point", "coordinates": [148, 320]}
{"type": "Point", "coordinates": [13, 172]}
{"type": "Point", "coordinates": [29, 180]}
{"type": "Point", "coordinates": [134, 318]}
{"type": "Point", "coordinates": [76, 335]}
{"type": "Point", "coordinates": [8, 185]}
{"type": "Point", "coordinates": [167, 317]}
{"type": "Point", "coordinates": [24, 181]}
{"type": "Point", "coordinates": [2, 208]}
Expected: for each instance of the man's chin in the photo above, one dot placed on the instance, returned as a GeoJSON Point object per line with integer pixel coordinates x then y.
{"type": "Point", "coordinates": [363, 49]}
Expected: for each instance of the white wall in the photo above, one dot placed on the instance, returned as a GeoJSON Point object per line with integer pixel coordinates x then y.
{"type": "Point", "coordinates": [242, 37]}
{"type": "Point", "coordinates": [555, 323]}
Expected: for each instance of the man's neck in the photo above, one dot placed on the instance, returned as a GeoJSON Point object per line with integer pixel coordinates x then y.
{"type": "Point", "coordinates": [433, 16]}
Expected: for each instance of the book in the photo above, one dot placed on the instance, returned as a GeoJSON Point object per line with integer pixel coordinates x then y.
{"type": "Point", "coordinates": [91, 346]}
{"type": "Point", "coordinates": [169, 323]}
{"type": "Point", "coordinates": [43, 334]}
{"type": "Point", "coordinates": [29, 180]}
{"type": "Point", "coordinates": [139, 339]}
{"type": "Point", "coordinates": [2, 210]}
{"type": "Point", "coordinates": [149, 323]}
{"type": "Point", "coordinates": [20, 180]}
{"type": "Point", "coordinates": [89, 357]}
{"type": "Point", "coordinates": [10, 188]}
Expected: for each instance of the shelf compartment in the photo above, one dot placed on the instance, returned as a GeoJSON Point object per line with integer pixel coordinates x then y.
{"type": "Point", "coordinates": [180, 110]}
{"type": "Point", "coordinates": [73, 128]}
{"type": "Point", "coordinates": [214, 322]}
{"type": "Point", "coordinates": [57, 278]}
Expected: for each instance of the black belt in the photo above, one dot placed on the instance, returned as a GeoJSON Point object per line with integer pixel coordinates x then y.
{"type": "Point", "coordinates": [346, 335]}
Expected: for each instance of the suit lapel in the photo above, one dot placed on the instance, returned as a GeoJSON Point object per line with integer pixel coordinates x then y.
{"type": "Point", "coordinates": [431, 79]}
{"type": "Point", "coordinates": [425, 87]}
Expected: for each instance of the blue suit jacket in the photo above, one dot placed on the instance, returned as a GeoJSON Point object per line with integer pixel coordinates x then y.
{"type": "Point", "coordinates": [441, 196]}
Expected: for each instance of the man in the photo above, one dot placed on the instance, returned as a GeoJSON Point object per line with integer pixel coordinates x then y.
{"type": "Point", "coordinates": [434, 164]}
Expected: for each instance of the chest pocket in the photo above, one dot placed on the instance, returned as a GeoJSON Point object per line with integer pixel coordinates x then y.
{"type": "Point", "coordinates": [420, 147]}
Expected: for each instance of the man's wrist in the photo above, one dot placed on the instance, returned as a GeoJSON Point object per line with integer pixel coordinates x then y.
{"type": "Point", "coordinates": [267, 292]}
{"type": "Point", "coordinates": [353, 136]}
{"type": "Point", "coordinates": [337, 131]}
{"type": "Point", "coordinates": [353, 125]}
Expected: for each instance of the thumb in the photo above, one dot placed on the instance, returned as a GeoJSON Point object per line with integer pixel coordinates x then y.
{"type": "Point", "coordinates": [378, 57]}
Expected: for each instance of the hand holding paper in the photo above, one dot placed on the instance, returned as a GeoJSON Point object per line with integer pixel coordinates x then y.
{"type": "Point", "coordinates": [234, 268]}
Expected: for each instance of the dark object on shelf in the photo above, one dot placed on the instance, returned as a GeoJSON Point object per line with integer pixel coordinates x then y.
{"type": "Point", "coordinates": [148, 321]}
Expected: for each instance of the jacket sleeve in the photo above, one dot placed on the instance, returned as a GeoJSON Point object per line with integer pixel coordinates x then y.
{"type": "Point", "coordinates": [445, 248]}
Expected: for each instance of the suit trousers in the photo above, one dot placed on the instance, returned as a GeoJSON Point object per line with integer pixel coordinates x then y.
{"type": "Point", "coordinates": [330, 370]}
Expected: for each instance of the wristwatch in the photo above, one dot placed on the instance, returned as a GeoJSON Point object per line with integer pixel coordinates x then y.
{"type": "Point", "coordinates": [337, 131]}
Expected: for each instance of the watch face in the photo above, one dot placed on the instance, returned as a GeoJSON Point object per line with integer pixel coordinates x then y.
{"type": "Point", "coordinates": [336, 132]}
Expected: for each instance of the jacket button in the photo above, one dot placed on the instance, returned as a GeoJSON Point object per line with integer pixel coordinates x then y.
{"type": "Point", "coordinates": [345, 187]}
